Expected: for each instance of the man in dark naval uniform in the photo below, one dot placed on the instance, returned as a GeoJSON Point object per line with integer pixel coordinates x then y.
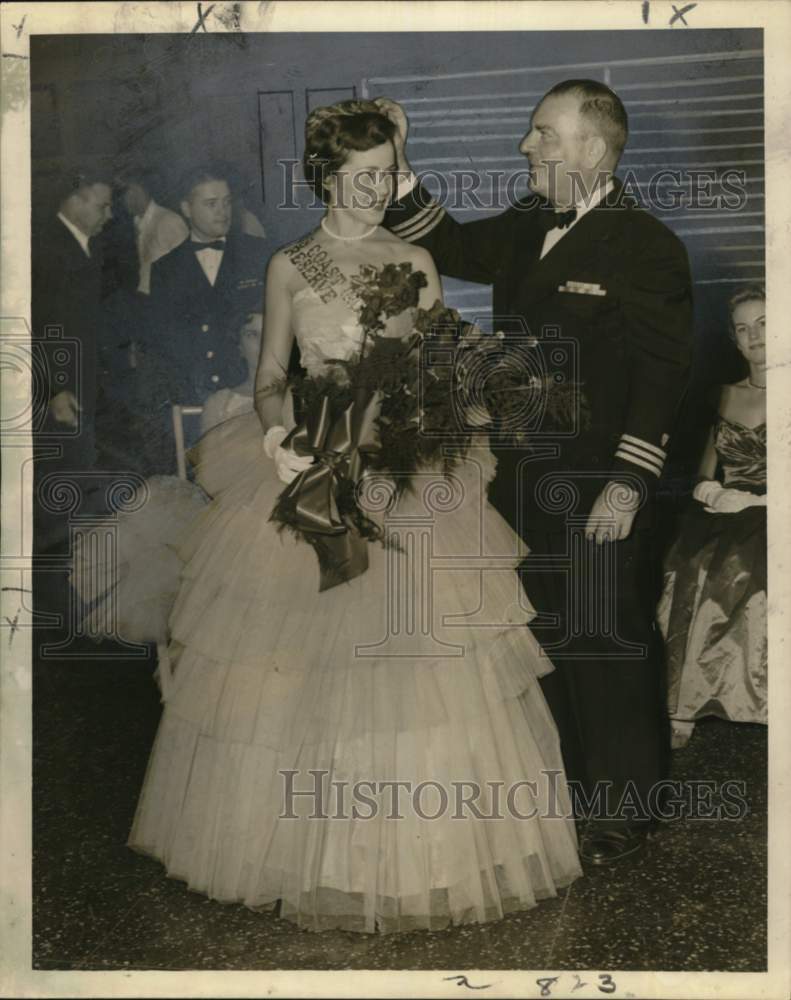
{"type": "Point", "coordinates": [200, 293]}
{"type": "Point", "coordinates": [586, 270]}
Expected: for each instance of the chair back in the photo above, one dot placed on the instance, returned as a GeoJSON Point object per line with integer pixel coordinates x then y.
{"type": "Point", "coordinates": [178, 414]}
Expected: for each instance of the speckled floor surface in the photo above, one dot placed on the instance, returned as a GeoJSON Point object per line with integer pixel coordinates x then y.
{"type": "Point", "coordinates": [695, 901]}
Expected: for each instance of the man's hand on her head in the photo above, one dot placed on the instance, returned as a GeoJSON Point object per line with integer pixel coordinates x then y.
{"type": "Point", "coordinates": [398, 117]}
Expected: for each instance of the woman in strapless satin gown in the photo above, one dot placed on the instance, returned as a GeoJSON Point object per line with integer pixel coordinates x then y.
{"type": "Point", "coordinates": [713, 608]}
{"type": "Point", "coordinates": [421, 670]}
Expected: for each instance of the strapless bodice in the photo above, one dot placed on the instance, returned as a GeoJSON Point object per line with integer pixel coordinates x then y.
{"type": "Point", "coordinates": [742, 453]}
{"type": "Point", "coordinates": [328, 330]}
{"type": "Point", "coordinates": [324, 330]}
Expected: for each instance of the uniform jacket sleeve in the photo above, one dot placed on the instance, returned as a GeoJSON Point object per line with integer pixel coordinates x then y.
{"type": "Point", "coordinates": [471, 251]}
{"type": "Point", "coordinates": [656, 301]}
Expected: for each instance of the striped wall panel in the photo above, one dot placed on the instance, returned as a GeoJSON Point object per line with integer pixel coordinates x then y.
{"type": "Point", "coordinates": [701, 115]}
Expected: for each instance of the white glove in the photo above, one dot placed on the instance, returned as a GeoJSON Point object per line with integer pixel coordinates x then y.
{"type": "Point", "coordinates": [288, 464]}
{"type": "Point", "coordinates": [707, 491]}
{"type": "Point", "coordinates": [732, 501]}
{"type": "Point", "coordinates": [724, 500]}
{"type": "Point", "coordinates": [273, 439]}
{"type": "Point", "coordinates": [64, 407]}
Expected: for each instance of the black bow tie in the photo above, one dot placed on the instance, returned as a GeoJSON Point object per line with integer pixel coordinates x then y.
{"type": "Point", "coordinates": [214, 245]}
{"type": "Point", "coordinates": [551, 219]}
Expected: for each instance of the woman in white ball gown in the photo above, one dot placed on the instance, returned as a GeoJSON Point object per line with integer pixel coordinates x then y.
{"type": "Point", "coordinates": [424, 678]}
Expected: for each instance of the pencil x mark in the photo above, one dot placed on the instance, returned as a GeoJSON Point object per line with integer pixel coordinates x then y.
{"type": "Point", "coordinates": [201, 22]}
{"type": "Point", "coordinates": [14, 626]}
{"type": "Point", "coordinates": [679, 14]}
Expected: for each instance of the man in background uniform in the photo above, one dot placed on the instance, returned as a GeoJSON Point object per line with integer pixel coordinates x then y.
{"type": "Point", "coordinates": [198, 291]}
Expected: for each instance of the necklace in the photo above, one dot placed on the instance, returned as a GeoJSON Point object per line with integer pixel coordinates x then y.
{"type": "Point", "coordinates": [750, 382]}
{"type": "Point", "coordinates": [347, 239]}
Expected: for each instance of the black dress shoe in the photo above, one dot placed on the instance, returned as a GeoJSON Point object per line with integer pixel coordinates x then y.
{"type": "Point", "coordinates": [606, 847]}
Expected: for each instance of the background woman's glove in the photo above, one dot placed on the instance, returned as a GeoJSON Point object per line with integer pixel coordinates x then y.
{"type": "Point", "coordinates": [288, 464]}
{"type": "Point", "coordinates": [719, 499]}
{"type": "Point", "coordinates": [707, 491]}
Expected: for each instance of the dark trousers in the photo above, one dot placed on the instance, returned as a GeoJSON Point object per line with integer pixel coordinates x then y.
{"type": "Point", "coordinates": [596, 623]}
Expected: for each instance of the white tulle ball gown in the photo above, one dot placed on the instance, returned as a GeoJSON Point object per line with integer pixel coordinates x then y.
{"type": "Point", "coordinates": [422, 669]}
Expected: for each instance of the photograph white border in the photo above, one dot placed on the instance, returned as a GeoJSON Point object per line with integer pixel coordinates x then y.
{"type": "Point", "coordinates": [19, 22]}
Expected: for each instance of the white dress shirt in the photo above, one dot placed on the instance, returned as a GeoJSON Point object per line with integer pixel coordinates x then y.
{"type": "Point", "coordinates": [555, 235]}
{"type": "Point", "coordinates": [158, 232]}
{"type": "Point", "coordinates": [77, 233]}
{"type": "Point", "coordinates": [210, 260]}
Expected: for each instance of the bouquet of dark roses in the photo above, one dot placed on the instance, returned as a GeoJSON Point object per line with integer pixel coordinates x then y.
{"type": "Point", "coordinates": [402, 403]}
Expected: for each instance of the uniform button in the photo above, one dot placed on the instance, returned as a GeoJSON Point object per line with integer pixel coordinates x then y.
{"type": "Point", "coordinates": [205, 328]}
{"type": "Point", "coordinates": [215, 378]}
{"type": "Point", "coordinates": [209, 354]}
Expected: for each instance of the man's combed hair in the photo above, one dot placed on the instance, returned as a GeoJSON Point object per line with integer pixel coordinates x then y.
{"type": "Point", "coordinates": [331, 133]}
{"type": "Point", "coordinates": [602, 107]}
{"type": "Point", "coordinates": [76, 179]}
{"type": "Point", "coordinates": [146, 176]}
{"type": "Point", "coordinates": [201, 174]}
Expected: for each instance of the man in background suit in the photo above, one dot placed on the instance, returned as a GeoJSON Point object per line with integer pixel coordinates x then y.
{"type": "Point", "coordinates": [158, 230]}
{"type": "Point", "coordinates": [140, 437]}
{"type": "Point", "coordinates": [66, 305]}
{"type": "Point", "coordinates": [71, 366]}
{"type": "Point", "coordinates": [583, 260]}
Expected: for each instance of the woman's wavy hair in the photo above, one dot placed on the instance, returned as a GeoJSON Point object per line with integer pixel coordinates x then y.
{"type": "Point", "coordinates": [754, 292]}
{"type": "Point", "coordinates": [331, 133]}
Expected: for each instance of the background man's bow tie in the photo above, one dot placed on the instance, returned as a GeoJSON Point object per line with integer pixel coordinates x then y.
{"type": "Point", "coordinates": [213, 245]}
{"type": "Point", "coordinates": [551, 219]}
{"type": "Point", "coordinates": [563, 219]}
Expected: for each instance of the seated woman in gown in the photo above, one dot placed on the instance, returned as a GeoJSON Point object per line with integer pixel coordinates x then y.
{"type": "Point", "coordinates": [226, 403]}
{"type": "Point", "coordinates": [286, 701]}
{"type": "Point", "coordinates": [713, 609]}
{"type": "Point", "coordinates": [128, 592]}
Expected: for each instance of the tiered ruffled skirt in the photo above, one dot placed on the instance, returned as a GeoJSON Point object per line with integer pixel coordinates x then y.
{"type": "Point", "coordinates": [421, 671]}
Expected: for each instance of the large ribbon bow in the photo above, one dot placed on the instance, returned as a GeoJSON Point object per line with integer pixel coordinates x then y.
{"type": "Point", "coordinates": [340, 447]}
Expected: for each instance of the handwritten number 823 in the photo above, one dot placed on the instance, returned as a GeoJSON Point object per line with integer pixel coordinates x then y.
{"type": "Point", "coordinates": [606, 984]}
